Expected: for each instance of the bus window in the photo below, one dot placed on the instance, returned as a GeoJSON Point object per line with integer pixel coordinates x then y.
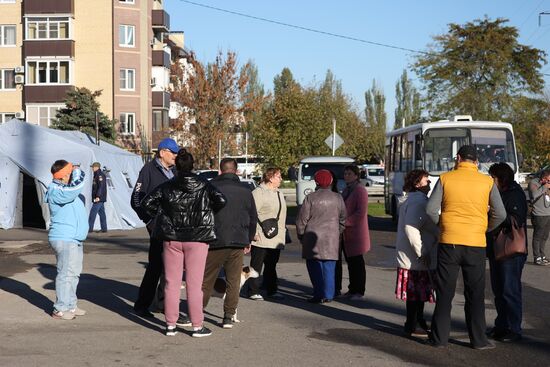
{"type": "Point", "coordinates": [418, 151]}
{"type": "Point", "coordinates": [493, 146]}
{"type": "Point", "coordinates": [441, 146]}
{"type": "Point", "coordinates": [396, 161]}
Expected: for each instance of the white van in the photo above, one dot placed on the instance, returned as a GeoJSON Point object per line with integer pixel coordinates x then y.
{"type": "Point", "coordinates": [309, 165]}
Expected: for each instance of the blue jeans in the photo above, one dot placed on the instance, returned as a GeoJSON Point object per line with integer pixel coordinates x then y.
{"type": "Point", "coordinates": [321, 273]}
{"type": "Point", "coordinates": [506, 284]}
{"type": "Point", "coordinates": [69, 257]}
{"type": "Point", "coordinates": [98, 207]}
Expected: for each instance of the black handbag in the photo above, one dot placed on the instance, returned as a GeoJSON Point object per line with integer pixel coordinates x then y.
{"type": "Point", "coordinates": [270, 226]}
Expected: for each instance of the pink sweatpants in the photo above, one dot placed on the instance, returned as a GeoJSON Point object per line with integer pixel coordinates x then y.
{"type": "Point", "coordinates": [175, 255]}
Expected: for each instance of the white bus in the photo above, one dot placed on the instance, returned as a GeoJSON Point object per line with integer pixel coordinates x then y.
{"type": "Point", "coordinates": [433, 146]}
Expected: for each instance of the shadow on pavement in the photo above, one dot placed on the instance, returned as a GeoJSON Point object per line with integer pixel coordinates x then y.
{"type": "Point", "coordinates": [24, 291]}
{"type": "Point", "coordinates": [110, 294]}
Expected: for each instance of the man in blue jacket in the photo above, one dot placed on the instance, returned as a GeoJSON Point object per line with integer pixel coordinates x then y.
{"type": "Point", "coordinates": [68, 230]}
{"type": "Point", "coordinates": [99, 197]}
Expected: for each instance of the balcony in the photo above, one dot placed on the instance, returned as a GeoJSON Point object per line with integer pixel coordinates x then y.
{"type": "Point", "coordinates": [48, 48]}
{"type": "Point", "coordinates": [46, 93]}
{"type": "Point", "coordinates": [161, 20]}
{"type": "Point", "coordinates": [48, 7]}
{"type": "Point", "coordinates": [161, 58]}
{"type": "Point", "coordinates": [161, 100]}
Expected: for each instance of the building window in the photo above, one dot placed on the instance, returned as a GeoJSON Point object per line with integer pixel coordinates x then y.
{"type": "Point", "coordinates": [47, 28]}
{"type": "Point", "coordinates": [126, 1]}
{"type": "Point", "coordinates": [48, 72]}
{"type": "Point", "coordinates": [6, 116]}
{"type": "Point", "coordinates": [127, 79]}
{"type": "Point", "coordinates": [127, 123]}
{"type": "Point", "coordinates": [7, 35]}
{"type": "Point", "coordinates": [160, 120]}
{"type": "Point", "coordinates": [42, 114]}
{"type": "Point", "coordinates": [7, 1]}
{"type": "Point", "coordinates": [7, 79]}
{"type": "Point", "coordinates": [126, 35]}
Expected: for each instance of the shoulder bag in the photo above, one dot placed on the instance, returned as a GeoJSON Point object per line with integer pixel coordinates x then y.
{"type": "Point", "coordinates": [270, 226]}
{"type": "Point", "coordinates": [510, 242]}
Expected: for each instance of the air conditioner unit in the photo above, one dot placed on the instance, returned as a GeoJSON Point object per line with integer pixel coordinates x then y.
{"type": "Point", "coordinates": [153, 82]}
{"type": "Point", "coordinates": [20, 70]}
{"type": "Point", "coordinates": [19, 79]}
{"type": "Point", "coordinates": [20, 115]}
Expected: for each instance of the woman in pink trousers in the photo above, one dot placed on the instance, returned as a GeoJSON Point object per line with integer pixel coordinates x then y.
{"type": "Point", "coordinates": [183, 211]}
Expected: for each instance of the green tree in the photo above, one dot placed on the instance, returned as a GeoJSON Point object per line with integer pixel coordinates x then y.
{"type": "Point", "coordinates": [375, 116]}
{"type": "Point", "coordinates": [477, 69]}
{"type": "Point", "coordinates": [297, 120]}
{"type": "Point", "coordinates": [79, 114]}
{"type": "Point", "coordinates": [408, 102]}
{"type": "Point", "coordinates": [216, 97]}
{"type": "Point", "coordinates": [531, 119]}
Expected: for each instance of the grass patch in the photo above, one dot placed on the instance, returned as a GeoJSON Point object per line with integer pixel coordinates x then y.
{"type": "Point", "coordinates": [377, 210]}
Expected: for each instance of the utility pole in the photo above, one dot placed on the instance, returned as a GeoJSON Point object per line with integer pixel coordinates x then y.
{"type": "Point", "coordinates": [97, 127]}
{"type": "Point", "coordinates": [333, 136]}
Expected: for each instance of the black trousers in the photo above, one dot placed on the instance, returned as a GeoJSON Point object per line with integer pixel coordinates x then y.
{"type": "Point", "coordinates": [260, 257]}
{"type": "Point", "coordinates": [415, 316]}
{"type": "Point", "coordinates": [155, 268]}
{"type": "Point", "coordinates": [451, 258]}
{"type": "Point", "coordinates": [356, 271]}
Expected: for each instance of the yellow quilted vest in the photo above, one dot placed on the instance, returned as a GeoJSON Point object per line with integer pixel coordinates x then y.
{"type": "Point", "coordinates": [465, 205]}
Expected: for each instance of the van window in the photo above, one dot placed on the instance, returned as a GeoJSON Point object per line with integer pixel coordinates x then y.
{"type": "Point", "coordinates": [375, 171]}
{"type": "Point", "coordinates": [309, 169]}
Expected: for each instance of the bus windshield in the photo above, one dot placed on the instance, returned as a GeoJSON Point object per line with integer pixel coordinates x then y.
{"type": "Point", "coordinates": [492, 145]}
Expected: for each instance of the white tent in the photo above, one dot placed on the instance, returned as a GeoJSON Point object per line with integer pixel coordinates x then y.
{"type": "Point", "coordinates": [32, 149]}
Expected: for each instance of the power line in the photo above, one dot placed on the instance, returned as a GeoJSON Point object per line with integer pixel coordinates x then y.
{"type": "Point", "coordinates": [307, 29]}
{"type": "Point", "coordinates": [319, 31]}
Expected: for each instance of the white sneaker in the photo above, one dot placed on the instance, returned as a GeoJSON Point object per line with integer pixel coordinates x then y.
{"type": "Point", "coordinates": [78, 311]}
{"type": "Point", "coordinates": [256, 297]}
{"type": "Point", "coordinates": [356, 297]}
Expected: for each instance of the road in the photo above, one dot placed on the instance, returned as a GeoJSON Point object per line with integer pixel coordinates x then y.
{"type": "Point", "coordinates": [290, 332]}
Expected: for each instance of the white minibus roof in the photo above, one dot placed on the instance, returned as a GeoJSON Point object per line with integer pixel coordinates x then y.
{"type": "Point", "coordinates": [327, 159]}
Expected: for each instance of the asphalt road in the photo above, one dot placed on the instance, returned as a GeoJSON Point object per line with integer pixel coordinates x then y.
{"type": "Point", "coordinates": [290, 332]}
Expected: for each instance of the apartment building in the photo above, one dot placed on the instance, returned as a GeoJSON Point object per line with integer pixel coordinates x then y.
{"type": "Point", "coordinates": [121, 47]}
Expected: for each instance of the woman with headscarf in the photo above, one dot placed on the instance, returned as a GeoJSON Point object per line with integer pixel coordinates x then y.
{"type": "Point", "coordinates": [319, 225]}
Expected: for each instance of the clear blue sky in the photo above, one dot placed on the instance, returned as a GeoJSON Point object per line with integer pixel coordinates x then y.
{"type": "Point", "coordinates": [408, 24]}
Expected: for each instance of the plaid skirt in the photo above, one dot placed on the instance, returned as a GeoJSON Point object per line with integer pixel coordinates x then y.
{"type": "Point", "coordinates": [415, 285]}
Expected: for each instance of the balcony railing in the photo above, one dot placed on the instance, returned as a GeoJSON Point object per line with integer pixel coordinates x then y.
{"type": "Point", "coordinates": [48, 48]}
{"type": "Point", "coordinates": [46, 93]}
{"type": "Point", "coordinates": [48, 7]}
{"type": "Point", "coordinates": [161, 20]}
{"type": "Point", "coordinates": [161, 99]}
{"type": "Point", "coordinates": [161, 58]}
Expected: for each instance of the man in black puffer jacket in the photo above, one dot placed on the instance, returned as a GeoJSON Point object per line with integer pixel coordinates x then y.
{"type": "Point", "coordinates": [235, 227]}
{"type": "Point", "coordinates": [183, 210]}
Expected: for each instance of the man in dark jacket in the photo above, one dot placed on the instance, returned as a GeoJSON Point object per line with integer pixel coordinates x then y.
{"type": "Point", "coordinates": [99, 197]}
{"type": "Point", "coordinates": [153, 173]}
{"type": "Point", "coordinates": [235, 226]}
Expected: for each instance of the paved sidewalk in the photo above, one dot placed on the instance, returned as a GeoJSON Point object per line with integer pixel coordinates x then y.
{"type": "Point", "coordinates": [291, 332]}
